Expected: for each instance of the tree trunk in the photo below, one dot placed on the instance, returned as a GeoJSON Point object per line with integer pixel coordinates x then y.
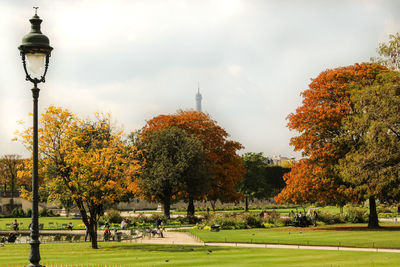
{"type": "Point", "coordinates": [341, 209]}
{"type": "Point", "coordinates": [12, 193]}
{"type": "Point", "coordinates": [246, 201]}
{"type": "Point", "coordinates": [373, 221]}
{"type": "Point", "coordinates": [190, 209]}
{"type": "Point", "coordinates": [213, 202]}
{"type": "Point", "coordinates": [166, 207]}
{"type": "Point", "coordinates": [93, 234]}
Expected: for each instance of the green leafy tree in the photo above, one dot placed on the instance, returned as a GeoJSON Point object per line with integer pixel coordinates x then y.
{"type": "Point", "coordinates": [173, 166]}
{"type": "Point", "coordinates": [260, 180]}
{"type": "Point", "coordinates": [254, 184]}
{"type": "Point", "coordinates": [390, 52]}
{"type": "Point", "coordinates": [372, 165]}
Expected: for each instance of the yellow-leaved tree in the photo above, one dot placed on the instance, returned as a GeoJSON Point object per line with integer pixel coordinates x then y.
{"type": "Point", "coordinates": [84, 161]}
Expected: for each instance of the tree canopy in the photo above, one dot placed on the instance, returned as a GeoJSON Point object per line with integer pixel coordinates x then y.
{"type": "Point", "coordinates": [86, 161]}
{"type": "Point", "coordinates": [319, 123]}
{"type": "Point", "coordinates": [372, 165]}
{"type": "Point", "coordinates": [173, 168]}
{"type": "Point", "coordinates": [260, 179]}
{"type": "Point", "coordinates": [224, 164]}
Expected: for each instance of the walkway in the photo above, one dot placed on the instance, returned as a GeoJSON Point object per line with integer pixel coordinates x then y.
{"type": "Point", "coordinates": [184, 238]}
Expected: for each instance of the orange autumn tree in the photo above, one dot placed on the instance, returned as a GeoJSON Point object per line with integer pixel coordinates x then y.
{"type": "Point", "coordinates": [84, 161]}
{"type": "Point", "coordinates": [225, 165]}
{"type": "Point", "coordinates": [319, 122]}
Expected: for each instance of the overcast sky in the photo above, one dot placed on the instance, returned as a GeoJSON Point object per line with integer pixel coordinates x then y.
{"type": "Point", "coordinates": [139, 59]}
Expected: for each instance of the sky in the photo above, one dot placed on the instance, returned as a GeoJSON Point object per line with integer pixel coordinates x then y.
{"type": "Point", "coordinates": [139, 59]}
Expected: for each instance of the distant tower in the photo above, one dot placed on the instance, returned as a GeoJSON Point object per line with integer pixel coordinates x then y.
{"type": "Point", "coordinates": [198, 99]}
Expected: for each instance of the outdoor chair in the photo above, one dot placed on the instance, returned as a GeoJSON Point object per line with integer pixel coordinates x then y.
{"type": "Point", "coordinates": [57, 238]}
{"type": "Point", "coordinates": [68, 238]}
{"type": "Point", "coordinates": [215, 227]}
{"type": "Point", "coordinates": [51, 225]}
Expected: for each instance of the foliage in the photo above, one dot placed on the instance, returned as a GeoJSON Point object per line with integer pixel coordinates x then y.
{"type": "Point", "coordinates": [260, 180]}
{"type": "Point", "coordinates": [319, 121]}
{"type": "Point", "coordinates": [330, 218]}
{"type": "Point", "coordinates": [390, 52]}
{"type": "Point", "coordinates": [355, 215]}
{"type": "Point", "coordinates": [224, 165]}
{"type": "Point", "coordinates": [242, 220]}
{"type": "Point", "coordinates": [10, 165]}
{"type": "Point", "coordinates": [18, 213]}
{"type": "Point", "coordinates": [253, 184]}
{"type": "Point", "coordinates": [112, 216]}
{"type": "Point", "coordinates": [372, 165]}
{"type": "Point", "coordinates": [173, 165]}
{"type": "Point", "coordinates": [83, 160]}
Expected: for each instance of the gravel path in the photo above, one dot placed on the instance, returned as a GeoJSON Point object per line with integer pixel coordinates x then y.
{"type": "Point", "coordinates": [183, 238]}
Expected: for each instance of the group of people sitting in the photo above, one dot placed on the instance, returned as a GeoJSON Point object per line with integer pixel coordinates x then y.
{"type": "Point", "coordinates": [301, 220]}
{"type": "Point", "coordinates": [154, 232]}
{"type": "Point", "coordinates": [10, 238]}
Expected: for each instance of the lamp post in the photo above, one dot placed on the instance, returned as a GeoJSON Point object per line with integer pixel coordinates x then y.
{"type": "Point", "coordinates": [36, 49]}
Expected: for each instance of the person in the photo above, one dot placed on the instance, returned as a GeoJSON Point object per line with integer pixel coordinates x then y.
{"type": "Point", "coordinates": [15, 225]}
{"type": "Point", "coordinates": [70, 226]}
{"type": "Point", "coordinates": [291, 214]}
{"type": "Point", "coordinates": [11, 237]}
{"type": "Point", "coordinates": [314, 217]}
{"type": "Point", "coordinates": [107, 233]}
{"type": "Point", "coordinates": [158, 222]}
{"type": "Point", "coordinates": [160, 232]}
{"type": "Point", "coordinates": [208, 211]}
{"type": "Point", "coordinates": [87, 231]}
{"type": "Point", "coordinates": [123, 224]}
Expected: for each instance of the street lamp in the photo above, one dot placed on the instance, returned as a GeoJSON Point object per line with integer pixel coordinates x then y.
{"type": "Point", "coordinates": [36, 49]}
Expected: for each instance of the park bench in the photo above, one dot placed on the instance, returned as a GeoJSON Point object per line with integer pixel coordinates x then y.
{"type": "Point", "coordinates": [215, 227]}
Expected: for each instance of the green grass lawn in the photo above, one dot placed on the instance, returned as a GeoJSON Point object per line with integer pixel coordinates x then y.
{"type": "Point", "coordinates": [78, 224]}
{"type": "Point", "coordinates": [339, 235]}
{"type": "Point", "coordinates": [131, 254]}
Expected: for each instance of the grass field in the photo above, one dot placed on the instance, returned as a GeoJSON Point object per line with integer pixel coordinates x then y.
{"type": "Point", "coordinates": [131, 254]}
{"type": "Point", "coordinates": [346, 235]}
{"type": "Point", "coordinates": [43, 220]}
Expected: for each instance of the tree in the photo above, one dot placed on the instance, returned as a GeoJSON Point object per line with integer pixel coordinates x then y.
{"type": "Point", "coordinates": [10, 164]}
{"type": "Point", "coordinates": [225, 165]}
{"type": "Point", "coordinates": [319, 123]}
{"type": "Point", "coordinates": [173, 166]}
{"type": "Point", "coordinates": [86, 161]}
{"type": "Point", "coordinates": [389, 53]}
{"type": "Point", "coordinates": [260, 180]}
{"type": "Point", "coordinates": [254, 184]}
{"type": "Point", "coordinates": [372, 165]}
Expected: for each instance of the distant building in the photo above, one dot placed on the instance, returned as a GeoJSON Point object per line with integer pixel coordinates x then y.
{"type": "Point", "coordinates": [281, 161]}
{"type": "Point", "coordinates": [198, 100]}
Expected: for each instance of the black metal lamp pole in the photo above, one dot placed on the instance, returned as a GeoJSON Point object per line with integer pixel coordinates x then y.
{"type": "Point", "coordinates": [36, 48]}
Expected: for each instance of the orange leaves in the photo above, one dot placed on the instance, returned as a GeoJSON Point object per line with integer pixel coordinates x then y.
{"type": "Point", "coordinates": [86, 161]}
{"type": "Point", "coordinates": [319, 123]}
{"type": "Point", "coordinates": [226, 168]}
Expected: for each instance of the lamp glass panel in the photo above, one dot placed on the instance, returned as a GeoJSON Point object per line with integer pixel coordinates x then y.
{"type": "Point", "coordinates": [36, 62]}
